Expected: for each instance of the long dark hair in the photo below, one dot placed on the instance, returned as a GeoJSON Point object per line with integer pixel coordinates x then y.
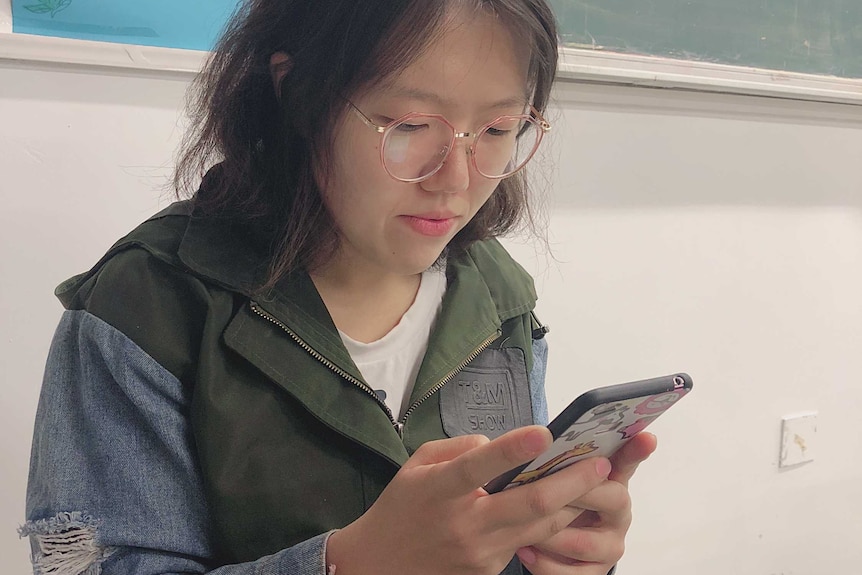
{"type": "Point", "coordinates": [267, 146]}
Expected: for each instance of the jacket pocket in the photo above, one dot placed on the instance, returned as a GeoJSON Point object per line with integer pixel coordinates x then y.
{"type": "Point", "coordinates": [490, 396]}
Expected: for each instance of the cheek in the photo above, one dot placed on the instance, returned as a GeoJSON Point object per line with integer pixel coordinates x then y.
{"type": "Point", "coordinates": [355, 155]}
{"type": "Point", "coordinates": [346, 178]}
{"type": "Point", "coordinates": [360, 170]}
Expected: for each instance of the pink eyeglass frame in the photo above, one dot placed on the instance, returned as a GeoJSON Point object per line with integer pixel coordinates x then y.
{"type": "Point", "coordinates": [544, 127]}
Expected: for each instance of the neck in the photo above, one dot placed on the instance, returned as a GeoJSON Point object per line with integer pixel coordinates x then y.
{"type": "Point", "coordinates": [365, 306]}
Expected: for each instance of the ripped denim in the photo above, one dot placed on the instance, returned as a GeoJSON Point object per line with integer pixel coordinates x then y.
{"type": "Point", "coordinates": [114, 486]}
{"type": "Point", "coordinates": [65, 543]}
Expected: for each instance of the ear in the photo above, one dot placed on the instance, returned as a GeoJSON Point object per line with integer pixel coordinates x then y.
{"type": "Point", "coordinates": [279, 66]}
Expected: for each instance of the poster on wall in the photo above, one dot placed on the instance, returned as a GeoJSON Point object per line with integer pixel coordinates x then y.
{"type": "Point", "coordinates": [186, 24]}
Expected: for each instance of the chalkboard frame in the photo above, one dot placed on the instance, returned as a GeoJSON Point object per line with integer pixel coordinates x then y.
{"type": "Point", "coordinates": [576, 65]}
{"type": "Point", "coordinates": [656, 72]}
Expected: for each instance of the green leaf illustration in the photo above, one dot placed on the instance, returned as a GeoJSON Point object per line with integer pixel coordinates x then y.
{"type": "Point", "coordinates": [62, 5]}
{"type": "Point", "coordinates": [46, 6]}
{"type": "Point", "coordinates": [39, 8]}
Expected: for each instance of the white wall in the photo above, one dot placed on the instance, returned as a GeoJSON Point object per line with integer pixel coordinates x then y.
{"type": "Point", "coordinates": [5, 16]}
{"type": "Point", "coordinates": [721, 235]}
{"type": "Point", "coordinates": [83, 158]}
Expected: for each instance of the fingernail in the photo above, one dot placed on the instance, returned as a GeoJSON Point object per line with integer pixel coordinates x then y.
{"type": "Point", "coordinates": [603, 467]}
{"type": "Point", "coordinates": [534, 442]}
{"type": "Point", "coordinates": [526, 555]}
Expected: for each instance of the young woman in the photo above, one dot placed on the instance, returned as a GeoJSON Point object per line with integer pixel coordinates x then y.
{"type": "Point", "coordinates": [316, 362]}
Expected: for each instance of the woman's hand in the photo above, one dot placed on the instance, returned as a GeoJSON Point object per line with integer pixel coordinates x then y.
{"type": "Point", "coordinates": [434, 517]}
{"type": "Point", "coordinates": [594, 542]}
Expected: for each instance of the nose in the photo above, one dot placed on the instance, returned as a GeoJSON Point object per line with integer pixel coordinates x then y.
{"type": "Point", "coordinates": [454, 175]}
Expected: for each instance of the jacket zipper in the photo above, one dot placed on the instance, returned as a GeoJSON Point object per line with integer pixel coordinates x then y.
{"type": "Point", "coordinates": [449, 376]}
{"type": "Point", "coordinates": [257, 310]}
{"type": "Point", "coordinates": [398, 425]}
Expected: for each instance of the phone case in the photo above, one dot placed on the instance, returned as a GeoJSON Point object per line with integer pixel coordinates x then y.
{"type": "Point", "coordinates": [598, 423]}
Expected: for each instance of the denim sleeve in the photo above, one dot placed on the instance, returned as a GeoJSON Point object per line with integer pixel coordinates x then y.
{"type": "Point", "coordinates": [114, 486]}
{"type": "Point", "coordinates": [537, 381]}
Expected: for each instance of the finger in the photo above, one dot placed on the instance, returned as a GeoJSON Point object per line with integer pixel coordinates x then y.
{"type": "Point", "coordinates": [526, 534]}
{"type": "Point", "coordinates": [545, 528]}
{"type": "Point", "coordinates": [609, 498]}
{"type": "Point", "coordinates": [476, 467]}
{"type": "Point", "coordinates": [444, 450]}
{"type": "Point", "coordinates": [541, 562]}
{"type": "Point", "coordinates": [626, 460]}
{"type": "Point", "coordinates": [604, 546]}
{"type": "Point", "coordinates": [543, 498]}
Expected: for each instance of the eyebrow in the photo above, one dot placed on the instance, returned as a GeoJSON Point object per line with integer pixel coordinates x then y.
{"type": "Point", "coordinates": [426, 96]}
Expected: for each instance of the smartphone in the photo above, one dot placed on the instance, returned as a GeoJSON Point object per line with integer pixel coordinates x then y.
{"type": "Point", "coordinates": [598, 423]}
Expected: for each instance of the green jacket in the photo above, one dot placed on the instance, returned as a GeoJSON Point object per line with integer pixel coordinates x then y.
{"type": "Point", "coordinates": [291, 442]}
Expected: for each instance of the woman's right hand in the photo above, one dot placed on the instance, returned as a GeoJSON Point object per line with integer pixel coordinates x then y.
{"type": "Point", "coordinates": [434, 517]}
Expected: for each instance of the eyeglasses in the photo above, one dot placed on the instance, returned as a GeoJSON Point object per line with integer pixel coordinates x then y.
{"type": "Point", "coordinates": [415, 146]}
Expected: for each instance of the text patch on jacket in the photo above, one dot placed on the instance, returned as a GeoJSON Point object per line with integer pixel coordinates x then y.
{"type": "Point", "coordinates": [490, 396]}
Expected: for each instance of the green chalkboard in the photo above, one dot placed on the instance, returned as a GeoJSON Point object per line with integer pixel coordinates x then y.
{"type": "Point", "coordinates": [810, 36]}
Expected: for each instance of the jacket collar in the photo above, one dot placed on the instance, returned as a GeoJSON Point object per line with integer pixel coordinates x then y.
{"type": "Point", "coordinates": [485, 288]}
{"type": "Point", "coordinates": [223, 253]}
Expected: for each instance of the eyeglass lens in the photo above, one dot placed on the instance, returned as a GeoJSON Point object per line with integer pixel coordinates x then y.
{"type": "Point", "coordinates": [418, 146]}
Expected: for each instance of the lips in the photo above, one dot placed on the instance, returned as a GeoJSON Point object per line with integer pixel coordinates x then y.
{"type": "Point", "coordinates": [441, 215]}
{"type": "Point", "coordinates": [434, 224]}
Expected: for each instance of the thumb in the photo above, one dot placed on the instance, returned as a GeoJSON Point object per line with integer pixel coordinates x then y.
{"type": "Point", "coordinates": [444, 450]}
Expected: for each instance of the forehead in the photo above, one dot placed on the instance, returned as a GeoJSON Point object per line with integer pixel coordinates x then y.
{"type": "Point", "coordinates": [473, 58]}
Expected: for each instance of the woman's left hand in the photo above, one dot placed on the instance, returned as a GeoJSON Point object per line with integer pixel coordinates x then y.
{"type": "Point", "coordinates": [594, 542]}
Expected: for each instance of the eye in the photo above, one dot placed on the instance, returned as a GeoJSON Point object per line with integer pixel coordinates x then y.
{"type": "Point", "coordinates": [492, 131]}
{"type": "Point", "coordinates": [405, 127]}
{"type": "Point", "coordinates": [505, 127]}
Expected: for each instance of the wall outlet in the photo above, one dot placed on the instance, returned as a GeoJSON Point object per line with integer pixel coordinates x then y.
{"type": "Point", "coordinates": [798, 436]}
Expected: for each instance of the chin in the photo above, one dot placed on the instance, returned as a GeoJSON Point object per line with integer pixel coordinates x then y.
{"type": "Point", "coordinates": [419, 264]}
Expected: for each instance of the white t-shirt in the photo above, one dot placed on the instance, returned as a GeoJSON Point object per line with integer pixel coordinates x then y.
{"type": "Point", "coordinates": [390, 364]}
